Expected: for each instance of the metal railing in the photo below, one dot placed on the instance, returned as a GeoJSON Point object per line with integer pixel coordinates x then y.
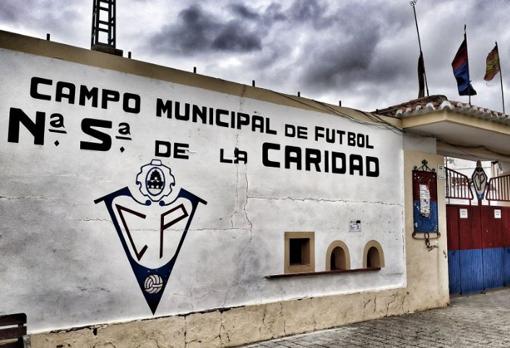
{"type": "Point", "coordinates": [498, 189]}
{"type": "Point", "coordinates": [458, 185]}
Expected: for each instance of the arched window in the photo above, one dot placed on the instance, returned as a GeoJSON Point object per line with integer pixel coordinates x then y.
{"type": "Point", "coordinates": [373, 255]}
{"type": "Point", "coordinates": [337, 256]}
{"type": "Point", "coordinates": [373, 258]}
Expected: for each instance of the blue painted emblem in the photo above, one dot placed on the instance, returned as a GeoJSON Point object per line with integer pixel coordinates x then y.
{"type": "Point", "coordinates": [152, 252]}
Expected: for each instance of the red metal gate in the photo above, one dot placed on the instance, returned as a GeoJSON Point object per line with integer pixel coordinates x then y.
{"type": "Point", "coordinates": [478, 236]}
{"type": "Point", "coordinates": [478, 247]}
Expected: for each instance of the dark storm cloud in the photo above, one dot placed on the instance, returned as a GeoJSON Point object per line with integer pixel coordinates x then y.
{"type": "Point", "coordinates": [194, 30]}
{"type": "Point", "coordinates": [364, 50]}
{"type": "Point", "coordinates": [199, 31]}
{"type": "Point", "coordinates": [273, 13]}
{"type": "Point", "coordinates": [340, 63]}
{"type": "Point", "coordinates": [350, 52]}
{"type": "Point", "coordinates": [311, 11]}
{"type": "Point", "coordinates": [44, 15]}
{"type": "Point", "coordinates": [9, 12]}
{"type": "Point", "coordinates": [15, 11]}
{"type": "Point", "coordinates": [233, 37]}
{"type": "Point", "coordinates": [306, 10]}
{"type": "Point", "coordinates": [244, 12]}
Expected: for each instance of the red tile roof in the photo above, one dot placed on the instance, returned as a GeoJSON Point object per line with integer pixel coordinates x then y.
{"type": "Point", "coordinates": [441, 103]}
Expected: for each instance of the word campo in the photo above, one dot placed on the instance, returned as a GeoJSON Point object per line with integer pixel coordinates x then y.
{"type": "Point", "coordinates": [62, 91]}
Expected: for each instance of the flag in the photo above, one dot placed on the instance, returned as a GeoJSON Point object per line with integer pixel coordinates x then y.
{"type": "Point", "coordinates": [460, 67]}
{"type": "Point", "coordinates": [492, 64]}
{"type": "Point", "coordinates": [421, 76]}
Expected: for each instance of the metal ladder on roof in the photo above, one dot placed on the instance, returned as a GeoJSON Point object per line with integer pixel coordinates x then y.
{"type": "Point", "coordinates": [104, 22]}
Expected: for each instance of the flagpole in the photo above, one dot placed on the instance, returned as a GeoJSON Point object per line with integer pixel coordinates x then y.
{"type": "Point", "coordinates": [501, 79]}
{"type": "Point", "coordinates": [467, 56]}
{"type": "Point", "coordinates": [413, 4]}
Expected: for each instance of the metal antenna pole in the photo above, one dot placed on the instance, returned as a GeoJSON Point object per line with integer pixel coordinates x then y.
{"type": "Point", "coordinates": [501, 80]}
{"type": "Point", "coordinates": [413, 5]}
{"type": "Point", "coordinates": [467, 59]}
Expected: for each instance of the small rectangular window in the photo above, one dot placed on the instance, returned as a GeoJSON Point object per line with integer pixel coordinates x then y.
{"type": "Point", "coordinates": [299, 252]}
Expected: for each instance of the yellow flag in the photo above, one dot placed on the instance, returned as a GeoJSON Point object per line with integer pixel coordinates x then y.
{"type": "Point", "coordinates": [492, 64]}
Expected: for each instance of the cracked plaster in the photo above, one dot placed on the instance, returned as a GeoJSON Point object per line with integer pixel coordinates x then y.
{"type": "Point", "coordinates": [235, 241]}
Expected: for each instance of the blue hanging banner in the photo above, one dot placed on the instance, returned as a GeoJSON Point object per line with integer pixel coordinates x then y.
{"type": "Point", "coordinates": [425, 214]}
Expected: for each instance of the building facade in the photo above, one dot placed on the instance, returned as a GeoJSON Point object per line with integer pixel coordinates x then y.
{"type": "Point", "coordinates": [146, 206]}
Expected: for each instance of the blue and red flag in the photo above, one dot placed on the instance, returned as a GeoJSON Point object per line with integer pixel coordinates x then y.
{"type": "Point", "coordinates": [460, 67]}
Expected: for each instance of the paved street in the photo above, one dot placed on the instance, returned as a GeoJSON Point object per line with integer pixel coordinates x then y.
{"type": "Point", "coordinates": [472, 321]}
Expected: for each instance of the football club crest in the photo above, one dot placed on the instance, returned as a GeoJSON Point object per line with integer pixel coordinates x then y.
{"type": "Point", "coordinates": [152, 230]}
{"type": "Point", "coordinates": [479, 179]}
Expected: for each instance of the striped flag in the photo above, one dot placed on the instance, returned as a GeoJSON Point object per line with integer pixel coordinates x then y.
{"type": "Point", "coordinates": [460, 67]}
{"type": "Point", "coordinates": [492, 64]}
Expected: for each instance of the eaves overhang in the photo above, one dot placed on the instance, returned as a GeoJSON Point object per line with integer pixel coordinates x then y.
{"type": "Point", "coordinates": [461, 129]}
{"type": "Point", "coordinates": [465, 136]}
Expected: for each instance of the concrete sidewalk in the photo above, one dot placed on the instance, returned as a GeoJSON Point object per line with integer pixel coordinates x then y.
{"type": "Point", "coordinates": [481, 320]}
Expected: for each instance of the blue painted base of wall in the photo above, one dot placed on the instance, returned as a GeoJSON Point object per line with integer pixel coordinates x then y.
{"type": "Point", "coordinates": [476, 270]}
{"type": "Point", "coordinates": [454, 271]}
{"type": "Point", "coordinates": [493, 267]}
{"type": "Point", "coordinates": [471, 271]}
{"type": "Point", "coordinates": [506, 267]}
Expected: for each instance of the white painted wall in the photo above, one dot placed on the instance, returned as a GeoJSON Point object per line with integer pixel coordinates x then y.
{"type": "Point", "coordinates": [62, 261]}
{"type": "Point", "coordinates": [414, 142]}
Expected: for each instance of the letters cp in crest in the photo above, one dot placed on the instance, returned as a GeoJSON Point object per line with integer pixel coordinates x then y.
{"type": "Point", "coordinates": [152, 234]}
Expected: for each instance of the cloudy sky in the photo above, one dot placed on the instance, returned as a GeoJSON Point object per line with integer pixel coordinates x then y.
{"type": "Point", "coordinates": [363, 52]}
